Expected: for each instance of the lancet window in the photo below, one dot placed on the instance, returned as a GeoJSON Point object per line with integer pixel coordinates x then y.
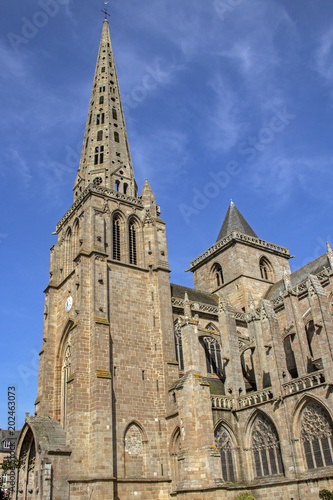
{"type": "Point", "coordinates": [179, 345]}
{"type": "Point", "coordinates": [66, 372]}
{"type": "Point", "coordinates": [116, 238]}
{"type": "Point", "coordinates": [213, 355]}
{"type": "Point", "coordinates": [266, 448]}
{"type": "Point", "coordinates": [217, 275]}
{"type": "Point", "coordinates": [317, 436]}
{"type": "Point", "coordinates": [266, 269]}
{"type": "Point", "coordinates": [132, 233]}
{"type": "Point", "coordinates": [226, 448]}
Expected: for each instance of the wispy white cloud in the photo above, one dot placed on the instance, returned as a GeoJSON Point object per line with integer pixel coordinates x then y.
{"type": "Point", "coordinates": [161, 156]}
{"type": "Point", "coordinates": [324, 56]}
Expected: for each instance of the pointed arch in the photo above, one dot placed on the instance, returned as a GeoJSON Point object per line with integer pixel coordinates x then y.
{"type": "Point", "coordinates": [226, 444]}
{"type": "Point", "coordinates": [216, 275]}
{"type": "Point", "coordinates": [27, 457]}
{"type": "Point", "coordinates": [265, 446]}
{"type": "Point", "coordinates": [314, 427]}
{"type": "Point", "coordinates": [67, 252]}
{"type": "Point", "coordinates": [76, 234]}
{"type": "Point", "coordinates": [63, 372]}
{"type": "Point", "coordinates": [266, 269]}
{"type": "Point", "coordinates": [133, 239]}
{"type": "Point", "coordinates": [213, 355]}
{"type": "Point", "coordinates": [175, 451]}
{"type": "Point", "coordinates": [212, 327]}
{"type": "Point", "coordinates": [118, 243]}
{"type": "Point", "coordinates": [135, 442]}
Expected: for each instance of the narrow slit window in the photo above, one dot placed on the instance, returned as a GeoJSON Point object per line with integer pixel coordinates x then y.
{"type": "Point", "coordinates": [101, 99]}
{"type": "Point", "coordinates": [100, 135]}
{"type": "Point", "coordinates": [116, 136]}
{"type": "Point", "coordinates": [103, 117]}
{"type": "Point", "coordinates": [114, 114]}
{"type": "Point", "coordinates": [103, 69]}
{"type": "Point", "coordinates": [98, 119]}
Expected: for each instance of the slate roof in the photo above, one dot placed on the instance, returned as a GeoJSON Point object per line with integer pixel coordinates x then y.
{"type": "Point", "coordinates": [298, 276]}
{"type": "Point", "coordinates": [178, 292]}
{"type": "Point", "coordinates": [234, 221]}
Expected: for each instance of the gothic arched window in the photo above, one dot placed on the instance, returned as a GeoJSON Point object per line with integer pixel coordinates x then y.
{"type": "Point", "coordinates": [226, 448]}
{"type": "Point", "coordinates": [132, 235]}
{"type": "Point", "coordinates": [116, 238]}
{"type": "Point", "coordinates": [76, 228]}
{"type": "Point", "coordinates": [134, 451]}
{"type": "Point", "coordinates": [100, 135]}
{"type": "Point", "coordinates": [213, 355]}
{"type": "Point", "coordinates": [217, 275]}
{"type": "Point", "coordinates": [179, 345]}
{"type": "Point", "coordinates": [175, 450]}
{"type": "Point", "coordinates": [68, 251]}
{"type": "Point", "coordinates": [317, 436]}
{"type": "Point", "coordinates": [66, 371]}
{"type": "Point", "coordinates": [266, 448]}
{"type": "Point", "coordinates": [266, 269]}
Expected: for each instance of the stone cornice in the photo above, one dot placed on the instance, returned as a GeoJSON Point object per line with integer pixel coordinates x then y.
{"type": "Point", "coordinates": [235, 236]}
{"type": "Point", "coordinates": [99, 191]}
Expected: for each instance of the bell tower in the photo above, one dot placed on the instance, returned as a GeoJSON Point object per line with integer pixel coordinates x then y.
{"type": "Point", "coordinates": [108, 357]}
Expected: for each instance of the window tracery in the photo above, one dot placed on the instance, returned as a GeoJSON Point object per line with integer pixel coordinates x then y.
{"type": "Point", "coordinates": [225, 446]}
{"type": "Point", "coordinates": [317, 436]}
{"type": "Point", "coordinates": [266, 269]}
{"type": "Point", "coordinates": [266, 448]}
{"type": "Point", "coordinates": [217, 275]}
{"type": "Point", "coordinates": [213, 356]}
{"type": "Point", "coordinates": [66, 372]}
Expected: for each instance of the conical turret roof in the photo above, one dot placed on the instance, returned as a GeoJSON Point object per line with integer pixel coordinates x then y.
{"type": "Point", "coordinates": [234, 221]}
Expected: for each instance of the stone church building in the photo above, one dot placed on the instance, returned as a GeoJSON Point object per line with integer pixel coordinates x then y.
{"type": "Point", "coordinates": [153, 391]}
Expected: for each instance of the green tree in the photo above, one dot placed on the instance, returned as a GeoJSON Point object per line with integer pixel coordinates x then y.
{"type": "Point", "coordinates": [244, 496]}
{"type": "Point", "coordinates": [326, 495]}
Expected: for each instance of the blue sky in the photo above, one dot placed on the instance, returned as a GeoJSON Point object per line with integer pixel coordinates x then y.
{"type": "Point", "coordinates": [241, 108]}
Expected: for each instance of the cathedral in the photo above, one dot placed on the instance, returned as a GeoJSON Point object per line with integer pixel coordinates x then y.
{"type": "Point", "coordinates": [155, 391]}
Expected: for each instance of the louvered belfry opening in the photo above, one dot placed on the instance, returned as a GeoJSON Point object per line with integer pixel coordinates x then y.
{"type": "Point", "coordinates": [132, 244]}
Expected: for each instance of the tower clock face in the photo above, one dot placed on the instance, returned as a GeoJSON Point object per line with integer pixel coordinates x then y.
{"type": "Point", "coordinates": [69, 303]}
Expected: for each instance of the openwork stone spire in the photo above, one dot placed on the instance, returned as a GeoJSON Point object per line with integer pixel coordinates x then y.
{"type": "Point", "coordinates": [105, 158]}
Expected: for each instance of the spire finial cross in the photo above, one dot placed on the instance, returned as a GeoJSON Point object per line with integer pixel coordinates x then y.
{"type": "Point", "coordinates": [105, 10]}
